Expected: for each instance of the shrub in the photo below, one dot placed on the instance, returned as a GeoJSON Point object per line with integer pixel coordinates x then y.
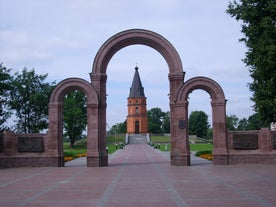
{"type": "Point", "coordinates": [203, 152]}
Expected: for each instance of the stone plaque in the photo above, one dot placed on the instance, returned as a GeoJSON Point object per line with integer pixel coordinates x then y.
{"type": "Point", "coordinates": [245, 141]}
{"type": "Point", "coordinates": [274, 140]}
{"type": "Point", "coordinates": [181, 124]}
{"type": "Point", "coordinates": [1, 143]}
{"type": "Point", "coordinates": [30, 144]}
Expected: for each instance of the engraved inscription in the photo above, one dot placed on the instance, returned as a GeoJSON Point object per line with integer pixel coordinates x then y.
{"type": "Point", "coordinates": [30, 144]}
{"type": "Point", "coordinates": [245, 141]}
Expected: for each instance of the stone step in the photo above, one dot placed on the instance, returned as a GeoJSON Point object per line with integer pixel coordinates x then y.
{"type": "Point", "coordinates": [137, 139]}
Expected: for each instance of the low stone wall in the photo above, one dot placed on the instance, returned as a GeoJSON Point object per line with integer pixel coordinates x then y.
{"type": "Point", "coordinates": [26, 150]}
{"type": "Point", "coordinates": [252, 147]}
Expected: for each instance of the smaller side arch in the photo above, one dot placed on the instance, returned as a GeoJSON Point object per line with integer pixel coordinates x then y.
{"type": "Point", "coordinates": [218, 103]}
{"type": "Point", "coordinates": [200, 82]}
{"type": "Point", "coordinates": [70, 84]}
{"type": "Point", "coordinates": [55, 107]}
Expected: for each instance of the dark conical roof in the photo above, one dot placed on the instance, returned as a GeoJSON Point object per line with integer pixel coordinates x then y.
{"type": "Point", "coordinates": [136, 90]}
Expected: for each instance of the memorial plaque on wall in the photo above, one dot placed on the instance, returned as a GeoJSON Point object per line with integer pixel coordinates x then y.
{"type": "Point", "coordinates": [30, 144]}
{"type": "Point", "coordinates": [274, 140]}
{"type": "Point", "coordinates": [245, 141]}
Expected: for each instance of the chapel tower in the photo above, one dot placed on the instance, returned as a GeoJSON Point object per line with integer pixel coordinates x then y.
{"type": "Point", "coordinates": [137, 119]}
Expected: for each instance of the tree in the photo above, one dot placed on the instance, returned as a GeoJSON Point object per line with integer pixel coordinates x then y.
{"type": "Point", "coordinates": [155, 116]}
{"type": "Point", "coordinates": [74, 116]}
{"type": "Point", "coordinates": [232, 122]}
{"type": "Point", "coordinates": [198, 124]}
{"type": "Point", "coordinates": [120, 128]}
{"type": "Point", "coordinates": [243, 124]}
{"type": "Point", "coordinates": [166, 122]}
{"type": "Point", "coordinates": [29, 98]}
{"type": "Point", "coordinates": [258, 19]}
{"type": "Point", "coordinates": [254, 122]}
{"type": "Point", "coordinates": [5, 88]}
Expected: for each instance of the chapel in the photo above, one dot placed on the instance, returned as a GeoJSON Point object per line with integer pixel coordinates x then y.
{"type": "Point", "coordinates": [137, 119]}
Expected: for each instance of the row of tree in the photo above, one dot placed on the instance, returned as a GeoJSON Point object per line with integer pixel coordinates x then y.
{"type": "Point", "coordinates": [159, 123]}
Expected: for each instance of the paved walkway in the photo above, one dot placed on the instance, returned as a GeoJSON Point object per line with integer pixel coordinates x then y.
{"type": "Point", "coordinates": [140, 176]}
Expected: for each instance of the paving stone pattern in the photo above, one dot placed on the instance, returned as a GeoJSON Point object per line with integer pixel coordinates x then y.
{"type": "Point", "coordinates": [139, 175]}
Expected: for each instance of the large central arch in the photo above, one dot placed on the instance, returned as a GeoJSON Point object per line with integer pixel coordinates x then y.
{"type": "Point", "coordinates": [176, 76]}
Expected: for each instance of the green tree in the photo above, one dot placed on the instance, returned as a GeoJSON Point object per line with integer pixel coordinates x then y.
{"type": "Point", "coordinates": [232, 122]}
{"type": "Point", "coordinates": [122, 127]}
{"type": "Point", "coordinates": [243, 124]}
{"type": "Point", "coordinates": [254, 122]}
{"type": "Point", "coordinates": [155, 116]}
{"type": "Point", "coordinates": [74, 116]}
{"type": "Point", "coordinates": [198, 124]}
{"type": "Point", "coordinates": [258, 19]}
{"type": "Point", "coordinates": [5, 88]}
{"type": "Point", "coordinates": [29, 98]}
{"type": "Point", "coordinates": [119, 128]}
{"type": "Point", "coordinates": [166, 122]}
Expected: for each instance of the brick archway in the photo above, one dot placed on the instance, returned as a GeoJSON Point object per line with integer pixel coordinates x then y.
{"type": "Point", "coordinates": [98, 77]}
{"type": "Point", "coordinates": [55, 133]}
{"type": "Point", "coordinates": [218, 104]}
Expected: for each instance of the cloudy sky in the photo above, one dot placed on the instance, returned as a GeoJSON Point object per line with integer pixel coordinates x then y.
{"type": "Point", "coordinates": [61, 38]}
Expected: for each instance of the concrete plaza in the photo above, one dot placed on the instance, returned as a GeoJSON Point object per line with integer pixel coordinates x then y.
{"type": "Point", "coordinates": [139, 175]}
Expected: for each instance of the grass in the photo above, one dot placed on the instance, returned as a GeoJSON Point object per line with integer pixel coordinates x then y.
{"type": "Point", "coordinates": [163, 140]}
{"type": "Point", "coordinates": [200, 147]}
{"type": "Point", "coordinates": [119, 138]}
{"type": "Point", "coordinates": [81, 147]}
{"type": "Point", "coordinates": [160, 138]}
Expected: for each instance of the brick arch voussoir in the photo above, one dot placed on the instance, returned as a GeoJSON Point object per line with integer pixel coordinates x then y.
{"type": "Point", "coordinates": [133, 37]}
{"type": "Point", "coordinates": [203, 83]}
{"type": "Point", "coordinates": [70, 84]}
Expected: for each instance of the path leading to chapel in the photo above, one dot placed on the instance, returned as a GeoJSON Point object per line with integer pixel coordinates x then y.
{"type": "Point", "coordinates": [140, 176]}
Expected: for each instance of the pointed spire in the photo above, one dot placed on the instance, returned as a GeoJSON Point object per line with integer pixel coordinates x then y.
{"type": "Point", "coordinates": [136, 90]}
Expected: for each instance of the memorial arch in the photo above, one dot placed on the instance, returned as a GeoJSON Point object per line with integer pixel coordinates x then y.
{"type": "Point", "coordinates": [229, 148]}
{"type": "Point", "coordinates": [55, 133]}
{"type": "Point", "coordinates": [98, 79]}
{"type": "Point", "coordinates": [218, 104]}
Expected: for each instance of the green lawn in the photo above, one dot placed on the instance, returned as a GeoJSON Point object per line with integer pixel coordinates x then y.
{"type": "Point", "coordinates": [81, 145]}
{"type": "Point", "coordinates": [160, 138]}
{"type": "Point", "coordinates": [200, 147]}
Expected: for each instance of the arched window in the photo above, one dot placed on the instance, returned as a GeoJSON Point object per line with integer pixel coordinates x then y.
{"type": "Point", "coordinates": [136, 109]}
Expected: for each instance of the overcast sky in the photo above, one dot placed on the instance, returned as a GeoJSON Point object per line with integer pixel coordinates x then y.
{"type": "Point", "coordinates": [62, 37]}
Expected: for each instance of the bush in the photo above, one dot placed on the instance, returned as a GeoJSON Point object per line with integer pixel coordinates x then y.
{"type": "Point", "coordinates": [202, 152]}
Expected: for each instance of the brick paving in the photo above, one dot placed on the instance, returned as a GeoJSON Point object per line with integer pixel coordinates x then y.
{"type": "Point", "coordinates": [140, 176]}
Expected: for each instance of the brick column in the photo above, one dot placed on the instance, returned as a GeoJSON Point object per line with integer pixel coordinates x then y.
{"type": "Point", "coordinates": [265, 141]}
{"type": "Point", "coordinates": [99, 83]}
{"type": "Point", "coordinates": [220, 151]}
{"type": "Point", "coordinates": [180, 150]}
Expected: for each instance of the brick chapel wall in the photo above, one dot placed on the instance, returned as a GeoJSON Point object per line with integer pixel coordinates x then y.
{"type": "Point", "coordinates": [133, 116]}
